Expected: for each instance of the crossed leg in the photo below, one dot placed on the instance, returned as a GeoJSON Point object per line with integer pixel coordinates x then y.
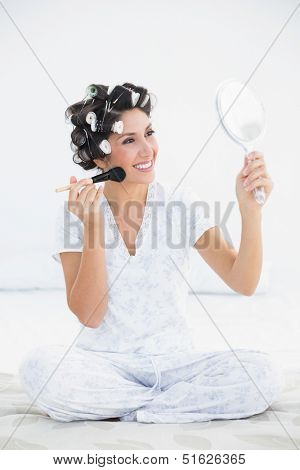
{"type": "Point", "coordinates": [206, 386]}
{"type": "Point", "coordinates": [86, 385]}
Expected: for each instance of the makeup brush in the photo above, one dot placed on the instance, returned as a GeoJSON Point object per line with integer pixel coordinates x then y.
{"type": "Point", "coordinates": [114, 174]}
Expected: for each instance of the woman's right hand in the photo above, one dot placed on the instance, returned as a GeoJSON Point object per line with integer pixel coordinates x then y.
{"type": "Point", "coordinates": [85, 203]}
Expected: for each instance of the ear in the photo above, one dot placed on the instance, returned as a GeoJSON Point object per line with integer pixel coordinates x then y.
{"type": "Point", "coordinates": [101, 169]}
{"type": "Point", "coordinates": [101, 165]}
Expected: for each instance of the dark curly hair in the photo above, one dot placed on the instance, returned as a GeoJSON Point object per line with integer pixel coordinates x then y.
{"type": "Point", "coordinates": [84, 142]}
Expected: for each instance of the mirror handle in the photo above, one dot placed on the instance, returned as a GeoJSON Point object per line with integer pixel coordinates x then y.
{"type": "Point", "coordinates": [259, 194]}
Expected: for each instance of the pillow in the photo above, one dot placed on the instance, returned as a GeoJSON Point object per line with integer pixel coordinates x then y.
{"type": "Point", "coordinates": [34, 269]}
{"type": "Point", "coordinates": [30, 270]}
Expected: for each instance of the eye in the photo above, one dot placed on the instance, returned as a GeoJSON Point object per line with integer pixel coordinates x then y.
{"type": "Point", "coordinates": [151, 132]}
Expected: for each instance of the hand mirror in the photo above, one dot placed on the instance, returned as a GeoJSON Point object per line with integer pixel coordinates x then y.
{"type": "Point", "coordinates": [242, 117]}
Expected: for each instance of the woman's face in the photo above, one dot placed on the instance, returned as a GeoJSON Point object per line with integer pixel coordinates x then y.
{"type": "Point", "coordinates": [130, 150]}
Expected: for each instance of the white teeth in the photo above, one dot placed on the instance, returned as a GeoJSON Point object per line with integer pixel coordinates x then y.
{"type": "Point", "coordinates": [146, 165]}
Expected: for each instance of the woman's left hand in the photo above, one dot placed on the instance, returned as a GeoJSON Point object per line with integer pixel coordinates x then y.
{"type": "Point", "coordinates": [254, 174]}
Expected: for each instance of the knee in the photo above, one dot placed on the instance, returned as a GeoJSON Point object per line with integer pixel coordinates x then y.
{"type": "Point", "coordinates": [266, 382]}
{"type": "Point", "coordinates": [35, 374]}
{"type": "Point", "coordinates": [29, 366]}
{"type": "Point", "coordinates": [34, 368]}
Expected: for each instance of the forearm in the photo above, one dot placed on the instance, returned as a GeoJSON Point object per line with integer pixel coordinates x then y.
{"type": "Point", "coordinates": [89, 294]}
{"type": "Point", "coordinates": [246, 270]}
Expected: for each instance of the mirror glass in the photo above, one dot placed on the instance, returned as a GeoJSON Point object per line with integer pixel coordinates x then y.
{"type": "Point", "coordinates": [242, 116]}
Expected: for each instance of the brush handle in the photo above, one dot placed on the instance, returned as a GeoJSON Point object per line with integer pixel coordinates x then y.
{"type": "Point", "coordinates": [66, 188]}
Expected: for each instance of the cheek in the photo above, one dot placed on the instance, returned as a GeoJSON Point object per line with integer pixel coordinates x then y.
{"type": "Point", "coordinates": [125, 156]}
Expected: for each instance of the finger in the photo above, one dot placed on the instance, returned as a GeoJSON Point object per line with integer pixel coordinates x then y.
{"type": "Point", "coordinates": [253, 175]}
{"type": "Point", "coordinates": [255, 155]}
{"type": "Point", "coordinates": [258, 182]}
{"type": "Point", "coordinates": [87, 194]}
{"type": "Point", "coordinates": [73, 193]}
{"type": "Point", "coordinates": [252, 165]}
{"type": "Point", "coordinates": [82, 196]}
{"type": "Point", "coordinates": [99, 193]}
{"type": "Point", "coordinates": [244, 166]}
{"type": "Point", "coordinates": [81, 183]}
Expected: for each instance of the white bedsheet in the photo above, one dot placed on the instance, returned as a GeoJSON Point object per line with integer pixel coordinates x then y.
{"type": "Point", "coordinates": [267, 321]}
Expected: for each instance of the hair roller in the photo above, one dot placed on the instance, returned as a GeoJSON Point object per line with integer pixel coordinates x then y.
{"type": "Point", "coordinates": [84, 155]}
{"type": "Point", "coordinates": [99, 114]}
{"type": "Point", "coordinates": [76, 158]}
{"type": "Point", "coordinates": [74, 147]}
{"type": "Point", "coordinates": [68, 116]}
{"type": "Point", "coordinates": [78, 137]}
{"type": "Point", "coordinates": [95, 91]}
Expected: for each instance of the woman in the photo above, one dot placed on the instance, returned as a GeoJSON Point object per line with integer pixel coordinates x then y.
{"type": "Point", "coordinates": [125, 276]}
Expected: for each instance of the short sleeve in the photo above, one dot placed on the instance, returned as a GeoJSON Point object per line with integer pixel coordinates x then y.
{"type": "Point", "coordinates": [198, 216]}
{"type": "Point", "coordinates": [69, 231]}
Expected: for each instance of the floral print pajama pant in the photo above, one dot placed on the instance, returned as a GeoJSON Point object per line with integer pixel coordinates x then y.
{"type": "Point", "coordinates": [179, 387]}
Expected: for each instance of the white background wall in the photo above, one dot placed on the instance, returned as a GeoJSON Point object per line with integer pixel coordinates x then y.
{"type": "Point", "coordinates": [181, 51]}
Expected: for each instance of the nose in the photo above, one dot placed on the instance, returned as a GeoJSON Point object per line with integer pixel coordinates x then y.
{"type": "Point", "coordinates": [147, 150]}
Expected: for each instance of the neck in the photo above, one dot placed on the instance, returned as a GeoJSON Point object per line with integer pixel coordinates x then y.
{"type": "Point", "coordinates": [122, 194]}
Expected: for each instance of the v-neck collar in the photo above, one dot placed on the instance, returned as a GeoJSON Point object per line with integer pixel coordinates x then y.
{"type": "Point", "coordinates": [143, 227]}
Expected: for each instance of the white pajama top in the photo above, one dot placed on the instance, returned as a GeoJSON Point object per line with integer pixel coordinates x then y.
{"type": "Point", "coordinates": [147, 293]}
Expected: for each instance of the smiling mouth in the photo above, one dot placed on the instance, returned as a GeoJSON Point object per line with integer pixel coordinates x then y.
{"type": "Point", "coordinates": [144, 167]}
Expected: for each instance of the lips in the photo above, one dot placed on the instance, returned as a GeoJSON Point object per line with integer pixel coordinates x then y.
{"type": "Point", "coordinates": [145, 170]}
{"type": "Point", "coordinates": [143, 163]}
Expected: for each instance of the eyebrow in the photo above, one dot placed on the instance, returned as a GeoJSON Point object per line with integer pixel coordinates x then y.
{"type": "Point", "coordinates": [133, 133]}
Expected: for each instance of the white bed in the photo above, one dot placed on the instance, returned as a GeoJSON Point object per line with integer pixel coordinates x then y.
{"type": "Point", "coordinates": [266, 321]}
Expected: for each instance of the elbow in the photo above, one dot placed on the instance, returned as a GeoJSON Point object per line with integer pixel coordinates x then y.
{"type": "Point", "coordinates": [248, 292]}
{"type": "Point", "coordinates": [93, 320]}
{"type": "Point", "coordinates": [90, 324]}
{"type": "Point", "coordinates": [242, 291]}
